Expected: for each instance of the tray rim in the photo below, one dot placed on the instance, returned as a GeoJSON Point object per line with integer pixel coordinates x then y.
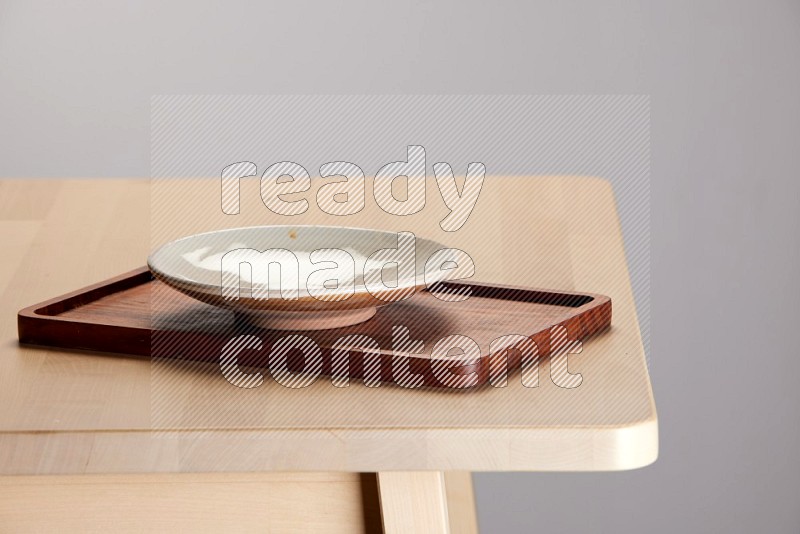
{"type": "Point", "coordinates": [143, 275]}
{"type": "Point", "coordinates": [40, 324]}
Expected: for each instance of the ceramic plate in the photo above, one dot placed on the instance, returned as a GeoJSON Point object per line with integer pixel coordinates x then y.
{"type": "Point", "coordinates": [339, 275]}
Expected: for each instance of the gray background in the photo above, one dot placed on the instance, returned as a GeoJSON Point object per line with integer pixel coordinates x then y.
{"type": "Point", "coordinates": [75, 86]}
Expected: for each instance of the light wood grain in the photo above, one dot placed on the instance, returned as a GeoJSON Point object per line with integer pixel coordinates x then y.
{"type": "Point", "coordinates": [413, 502]}
{"type": "Point", "coordinates": [73, 413]}
{"type": "Point", "coordinates": [461, 510]}
{"type": "Point", "coordinates": [16, 237]}
{"type": "Point", "coordinates": [269, 502]}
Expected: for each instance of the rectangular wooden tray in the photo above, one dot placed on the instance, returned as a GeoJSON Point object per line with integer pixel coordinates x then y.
{"type": "Point", "coordinates": [138, 315]}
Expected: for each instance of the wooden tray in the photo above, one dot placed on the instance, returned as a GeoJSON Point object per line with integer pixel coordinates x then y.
{"type": "Point", "coordinates": [135, 314]}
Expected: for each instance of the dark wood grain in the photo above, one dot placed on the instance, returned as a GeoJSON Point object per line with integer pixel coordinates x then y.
{"type": "Point", "coordinates": [135, 314]}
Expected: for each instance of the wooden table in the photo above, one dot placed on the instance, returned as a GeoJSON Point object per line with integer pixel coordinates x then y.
{"type": "Point", "coordinates": [78, 450]}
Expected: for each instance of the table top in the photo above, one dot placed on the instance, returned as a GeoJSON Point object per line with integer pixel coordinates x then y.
{"type": "Point", "coordinates": [74, 412]}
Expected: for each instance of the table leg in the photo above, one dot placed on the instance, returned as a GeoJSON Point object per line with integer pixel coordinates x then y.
{"type": "Point", "coordinates": [461, 502]}
{"type": "Point", "coordinates": [426, 501]}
